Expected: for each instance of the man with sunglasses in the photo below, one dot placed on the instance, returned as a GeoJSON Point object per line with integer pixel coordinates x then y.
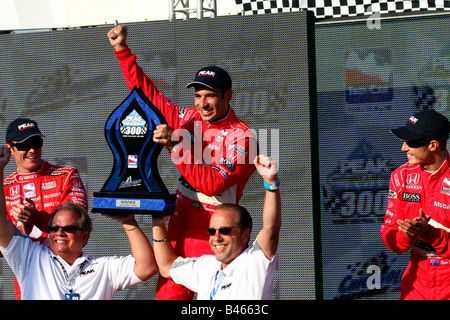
{"type": "Point", "coordinates": [37, 187]}
{"type": "Point", "coordinates": [418, 213]}
{"type": "Point", "coordinates": [235, 271]}
{"type": "Point", "coordinates": [61, 270]}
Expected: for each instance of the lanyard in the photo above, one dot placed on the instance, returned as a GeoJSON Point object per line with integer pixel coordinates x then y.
{"type": "Point", "coordinates": [66, 276]}
{"type": "Point", "coordinates": [216, 287]}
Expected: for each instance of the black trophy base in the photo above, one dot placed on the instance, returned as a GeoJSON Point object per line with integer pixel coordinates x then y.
{"type": "Point", "coordinates": [133, 203]}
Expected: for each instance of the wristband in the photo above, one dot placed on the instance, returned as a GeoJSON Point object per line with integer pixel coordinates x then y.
{"type": "Point", "coordinates": [162, 240]}
{"type": "Point", "coordinates": [272, 187]}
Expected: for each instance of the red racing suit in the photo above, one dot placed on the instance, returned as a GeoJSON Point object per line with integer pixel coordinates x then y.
{"type": "Point", "coordinates": [214, 162]}
{"type": "Point", "coordinates": [411, 188]}
{"type": "Point", "coordinates": [48, 188]}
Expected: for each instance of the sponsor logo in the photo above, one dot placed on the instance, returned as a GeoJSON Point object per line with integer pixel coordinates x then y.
{"type": "Point", "coordinates": [446, 186]}
{"type": "Point", "coordinates": [57, 173]}
{"type": "Point", "coordinates": [129, 182]}
{"type": "Point", "coordinates": [357, 189]}
{"type": "Point", "coordinates": [411, 197]}
{"type": "Point", "coordinates": [83, 273]}
{"type": "Point", "coordinates": [27, 177]}
{"type": "Point", "coordinates": [412, 178]}
{"type": "Point", "coordinates": [25, 126]}
{"type": "Point", "coordinates": [213, 147]}
{"type": "Point", "coordinates": [48, 185]}
{"type": "Point", "coordinates": [227, 163]}
{"type": "Point", "coordinates": [132, 161]}
{"type": "Point", "coordinates": [51, 204]}
{"type": "Point", "coordinates": [392, 194]}
{"type": "Point", "coordinates": [13, 191]}
{"type": "Point", "coordinates": [441, 205]}
{"type": "Point", "coordinates": [133, 125]}
{"type": "Point", "coordinates": [29, 190]}
{"type": "Point", "coordinates": [397, 182]}
{"type": "Point", "coordinates": [413, 120]}
{"type": "Point", "coordinates": [226, 286]}
{"type": "Point", "coordinates": [53, 195]}
{"type": "Point", "coordinates": [239, 149]}
{"type": "Point", "coordinates": [207, 73]}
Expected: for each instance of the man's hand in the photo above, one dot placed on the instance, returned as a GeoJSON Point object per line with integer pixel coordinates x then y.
{"type": "Point", "coordinates": [267, 167]}
{"type": "Point", "coordinates": [7, 228]}
{"type": "Point", "coordinates": [5, 155]}
{"type": "Point", "coordinates": [25, 214]}
{"type": "Point", "coordinates": [163, 135]}
{"type": "Point", "coordinates": [117, 37]}
{"type": "Point", "coordinates": [416, 227]}
{"type": "Point", "coordinates": [159, 221]}
{"type": "Point", "coordinates": [125, 219]}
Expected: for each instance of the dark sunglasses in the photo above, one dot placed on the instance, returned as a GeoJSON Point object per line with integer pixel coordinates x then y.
{"type": "Point", "coordinates": [418, 142]}
{"type": "Point", "coordinates": [27, 145]}
{"type": "Point", "coordinates": [67, 228]}
{"type": "Point", "coordinates": [224, 230]}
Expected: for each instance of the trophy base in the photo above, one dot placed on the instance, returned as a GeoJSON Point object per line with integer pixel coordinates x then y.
{"type": "Point", "coordinates": [135, 203]}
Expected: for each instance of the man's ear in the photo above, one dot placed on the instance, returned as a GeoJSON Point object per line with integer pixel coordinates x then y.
{"type": "Point", "coordinates": [247, 233]}
{"type": "Point", "coordinates": [85, 237]}
{"type": "Point", "coordinates": [433, 145]}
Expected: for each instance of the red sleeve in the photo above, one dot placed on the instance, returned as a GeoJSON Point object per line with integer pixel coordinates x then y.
{"type": "Point", "coordinates": [393, 238]}
{"type": "Point", "coordinates": [41, 220]}
{"type": "Point", "coordinates": [72, 190]}
{"type": "Point", "coordinates": [218, 175]}
{"type": "Point", "coordinates": [135, 77]}
{"type": "Point", "coordinates": [439, 239]}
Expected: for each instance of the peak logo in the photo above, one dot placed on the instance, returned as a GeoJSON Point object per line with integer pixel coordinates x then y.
{"type": "Point", "coordinates": [24, 126]}
{"type": "Point", "coordinates": [413, 120]}
{"type": "Point", "coordinates": [207, 73]}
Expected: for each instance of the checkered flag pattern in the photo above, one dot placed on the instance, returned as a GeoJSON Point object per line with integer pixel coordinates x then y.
{"type": "Point", "coordinates": [340, 8]}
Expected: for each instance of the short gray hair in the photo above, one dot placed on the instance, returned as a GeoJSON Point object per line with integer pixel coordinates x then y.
{"type": "Point", "coordinates": [84, 221]}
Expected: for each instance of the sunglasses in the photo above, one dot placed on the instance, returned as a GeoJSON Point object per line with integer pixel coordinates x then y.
{"type": "Point", "coordinates": [418, 142]}
{"type": "Point", "coordinates": [67, 228]}
{"type": "Point", "coordinates": [27, 145]}
{"type": "Point", "coordinates": [224, 230]}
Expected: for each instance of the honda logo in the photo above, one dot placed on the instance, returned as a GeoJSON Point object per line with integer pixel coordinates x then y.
{"type": "Point", "coordinates": [412, 178]}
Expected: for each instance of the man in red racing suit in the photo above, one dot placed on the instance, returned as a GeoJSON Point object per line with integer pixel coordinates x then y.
{"type": "Point", "coordinates": [418, 212]}
{"type": "Point", "coordinates": [214, 157]}
{"type": "Point", "coordinates": [47, 188]}
{"type": "Point", "coordinates": [36, 188]}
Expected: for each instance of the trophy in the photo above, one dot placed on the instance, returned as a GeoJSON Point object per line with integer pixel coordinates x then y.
{"type": "Point", "coordinates": [134, 185]}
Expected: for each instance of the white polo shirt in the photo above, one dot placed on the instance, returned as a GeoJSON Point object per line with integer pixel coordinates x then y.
{"type": "Point", "coordinates": [45, 276]}
{"type": "Point", "coordinates": [248, 277]}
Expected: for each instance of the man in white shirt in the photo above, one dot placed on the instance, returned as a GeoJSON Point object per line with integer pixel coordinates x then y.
{"type": "Point", "coordinates": [62, 270]}
{"type": "Point", "coordinates": [235, 271]}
